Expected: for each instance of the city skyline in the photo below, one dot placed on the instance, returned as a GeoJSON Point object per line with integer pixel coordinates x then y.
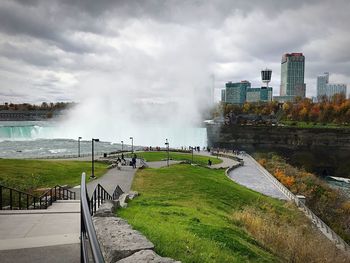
{"type": "Point", "coordinates": [63, 50]}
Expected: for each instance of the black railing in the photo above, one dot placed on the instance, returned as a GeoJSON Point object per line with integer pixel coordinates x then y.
{"type": "Point", "coordinates": [100, 195]}
{"type": "Point", "coordinates": [89, 246]}
{"type": "Point", "coordinates": [13, 199]}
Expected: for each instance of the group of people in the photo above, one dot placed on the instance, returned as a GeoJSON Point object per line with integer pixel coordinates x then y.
{"type": "Point", "coordinates": [121, 161]}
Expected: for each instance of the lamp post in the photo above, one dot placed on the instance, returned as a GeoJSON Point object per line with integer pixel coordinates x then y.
{"type": "Point", "coordinates": [92, 158]}
{"type": "Point", "coordinates": [122, 145]}
{"type": "Point", "coordinates": [132, 144]}
{"type": "Point", "coordinates": [79, 138]}
{"type": "Point", "coordinates": [167, 148]}
{"type": "Point", "coordinates": [192, 153]}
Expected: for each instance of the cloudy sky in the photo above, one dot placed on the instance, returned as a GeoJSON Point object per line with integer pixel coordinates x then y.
{"type": "Point", "coordinates": [65, 50]}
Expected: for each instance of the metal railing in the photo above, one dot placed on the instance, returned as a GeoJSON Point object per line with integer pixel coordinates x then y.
{"type": "Point", "coordinates": [322, 226]}
{"type": "Point", "coordinates": [88, 238]}
{"type": "Point", "coordinates": [13, 199]}
{"type": "Point", "coordinates": [89, 247]}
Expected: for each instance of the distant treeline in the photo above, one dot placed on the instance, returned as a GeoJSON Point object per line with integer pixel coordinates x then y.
{"type": "Point", "coordinates": [328, 110]}
{"type": "Point", "coordinates": [43, 106]}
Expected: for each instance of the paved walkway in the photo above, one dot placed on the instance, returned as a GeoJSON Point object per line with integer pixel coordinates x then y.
{"type": "Point", "coordinates": [226, 162]}
{"type": "Point", "coordinates": [251, 177]}
{"type": "Point", "coordinates": [50, 235]}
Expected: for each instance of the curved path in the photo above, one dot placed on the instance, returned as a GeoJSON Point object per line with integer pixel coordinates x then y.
{"type": "Point", "coordinates": [252, 177]}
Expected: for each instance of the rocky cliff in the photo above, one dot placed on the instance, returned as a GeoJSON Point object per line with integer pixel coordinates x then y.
{"type": "Point", "coordinates": [324, 151]}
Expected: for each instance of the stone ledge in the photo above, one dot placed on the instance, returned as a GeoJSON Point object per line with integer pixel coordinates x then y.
{"type": "Point", "coordinates": [146, 256]}
{"type": "Point", "coordinates": [107, 209]}
{"type": "Point", "coordinates": [117, 239]}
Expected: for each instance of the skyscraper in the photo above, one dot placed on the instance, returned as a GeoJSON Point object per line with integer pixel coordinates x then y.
{"type": "Point", "coordinates": [324, 88]}
{"type": "Point", "coordinates": [292, 75]}
{"type": "Point", "coordinates": [333, 88]}
{"type": "Point", "coordinates": [322, 81]}
{"type": "Point", "coordinates": [236, 93]}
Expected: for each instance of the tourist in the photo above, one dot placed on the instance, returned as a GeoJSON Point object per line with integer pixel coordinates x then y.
{"type": "Point", "coordinates": [134, 161]}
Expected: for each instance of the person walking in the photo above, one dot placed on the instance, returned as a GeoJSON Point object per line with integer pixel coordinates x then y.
{"type": "Point", "coordinates": [133, 162]}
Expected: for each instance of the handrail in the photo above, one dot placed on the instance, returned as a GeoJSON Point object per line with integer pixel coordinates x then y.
{"type": "Point", "coordinates": [87, 232]}
{"type": "Point", "coordinates": [45, 200]}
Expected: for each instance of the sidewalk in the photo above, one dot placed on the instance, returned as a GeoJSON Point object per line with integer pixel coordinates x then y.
{"type": "Point", "coordinates": [226, 162]}
{"type": "Point", "coordinates": [251, 177]}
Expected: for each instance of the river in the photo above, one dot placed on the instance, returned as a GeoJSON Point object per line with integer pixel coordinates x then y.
{"type": "Point", "coordinates": [31, 139]}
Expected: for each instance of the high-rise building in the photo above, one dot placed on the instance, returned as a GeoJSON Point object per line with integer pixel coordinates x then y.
{"type": "Point", "coordinates": [324, 88]}
{"type": "Point", "coordinates": [292, 75]}
{"type": "Point", "coordinates": [322, 81]}
{"type": "Point", "coordinates": [263, 94]}
{"type": "Point", "coordinates": [236, 92]}
{"type": "Point", "coordinates": [332, 89]}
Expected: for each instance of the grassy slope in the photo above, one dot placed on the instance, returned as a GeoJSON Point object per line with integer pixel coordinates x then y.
{"type": "Point", "coordinates": [31, 174]}
{"type": "Point", "coordinates": [187, 213]}
{"type": "Point", "coordinates": [158, 156]}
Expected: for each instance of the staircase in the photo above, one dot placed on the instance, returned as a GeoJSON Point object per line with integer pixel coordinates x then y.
{"type": "Point", "coordinates": [39, 229]}
{"type": "Point", "coordinates": [13, 199]}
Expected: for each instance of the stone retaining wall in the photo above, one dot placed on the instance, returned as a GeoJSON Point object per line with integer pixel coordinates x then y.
{"type": "Point", "coordinates": [118, 241]}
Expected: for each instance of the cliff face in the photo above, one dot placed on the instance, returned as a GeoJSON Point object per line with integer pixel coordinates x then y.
{"type": "Point", "coordinates": [324, 151]}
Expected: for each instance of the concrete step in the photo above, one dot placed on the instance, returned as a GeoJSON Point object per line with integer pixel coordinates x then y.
{"type": "Point", "coordinates": [53, 254]}
{"type": "Point", "coordinates": [67, 201]}
{"type": "Point", "coordinates": [72, 206]}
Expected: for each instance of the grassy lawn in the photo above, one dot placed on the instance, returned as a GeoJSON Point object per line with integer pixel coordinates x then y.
{"type": "Point", "coordinates": [316, 125]}
{"type": "Point", "coordinates": [187, 212]}
{"type": "Point", "coordinates": [28, 175]}
{"type": "Point", "coordinates": [162, 155]}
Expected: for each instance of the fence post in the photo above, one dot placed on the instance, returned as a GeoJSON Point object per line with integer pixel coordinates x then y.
{"type": "Point", "coordinates": [11, 199]}
{"type": "Point", "coordinates": [19, 200]}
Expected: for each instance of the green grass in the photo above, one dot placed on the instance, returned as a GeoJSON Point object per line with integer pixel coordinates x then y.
{"type": "Point", "coordinates": [162, 155]}
{"type": "Point", "coordinates": [186, 211]}
{"type": "Point", "coordinates": [316, 125]}
{"type": "Point", "coordinates": [28, 175]}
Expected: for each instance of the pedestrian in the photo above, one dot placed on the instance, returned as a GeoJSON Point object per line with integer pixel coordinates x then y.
{"type": "Point", "coordinates": [209, 162]}
{"type": "Point", "coordinates": [133, 162]}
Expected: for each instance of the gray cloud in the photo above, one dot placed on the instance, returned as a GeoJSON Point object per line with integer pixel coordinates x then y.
{"type": "Point", "coordinates": [60, 47]}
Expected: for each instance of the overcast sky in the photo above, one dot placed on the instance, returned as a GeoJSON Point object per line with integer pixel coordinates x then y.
{"type": "Point", "coordinates": [66, 50]}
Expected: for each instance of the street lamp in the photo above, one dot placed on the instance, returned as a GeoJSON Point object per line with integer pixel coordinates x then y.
{"type": "Point", "coordinates": [122, 145]}
{"type": "Point", "coordinates": [192, 153]}
{"type": "Point", "coordinates": [167, 147]}
{"type": "Point", "coordinates": [132, 144]}
{"type": "Point", "coordinates": [92, 158]}
{"type": "Point", "coordinates": [79, 138]}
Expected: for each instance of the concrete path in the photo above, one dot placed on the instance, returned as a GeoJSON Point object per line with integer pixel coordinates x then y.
{"type": "Point", "coordinates": [110, 180]}
{"type": "Point", "coordinates": [54, 254]}
{"type": "Point", "coordinates": [251, 177]}
{"type": "Point", "coordinates": [58, 225]}
{"type": "Point", "coordinates": [226, 162]}
{"type": "Point", "coordinates": [114, 177]}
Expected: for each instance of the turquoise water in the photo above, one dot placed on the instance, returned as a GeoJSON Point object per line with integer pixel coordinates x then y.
{"type": "Point", "coordinates": [39, 139]}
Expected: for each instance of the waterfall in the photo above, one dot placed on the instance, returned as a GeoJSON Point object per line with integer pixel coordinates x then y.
{"type": "Point", "coordinates": [22, 131]}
